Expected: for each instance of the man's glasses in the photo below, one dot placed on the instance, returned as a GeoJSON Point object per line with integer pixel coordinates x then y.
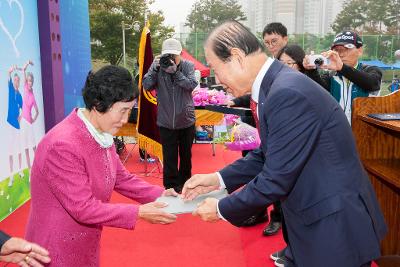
{"type": "Point", "coordinates": [272, 43]}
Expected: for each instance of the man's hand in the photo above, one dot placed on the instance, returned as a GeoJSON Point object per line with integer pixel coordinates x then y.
{"type": "Point", "coordinates": [23, 253]}
{"type": "Point", "coordinates": [335, 62]}
{"type": "Point", "coordinates": [306, 63]}
{"type": "Point", "coordinates": [200, 184]}
{"type": "Point", "coordinates": [156, 64]}
{"type": "Point", "coordinates": [152, 213]}
{"type": "Point", "coordinates": [207, 210]}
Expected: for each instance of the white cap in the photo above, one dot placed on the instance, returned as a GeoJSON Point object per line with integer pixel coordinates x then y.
{"type": "Point", "coordinates": [171, 46]}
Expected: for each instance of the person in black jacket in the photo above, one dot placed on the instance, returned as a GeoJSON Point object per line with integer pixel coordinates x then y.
{"type": "Point", "coordinates": [19, 251]}
{"type": "Point", "coordinates": [347, 77]}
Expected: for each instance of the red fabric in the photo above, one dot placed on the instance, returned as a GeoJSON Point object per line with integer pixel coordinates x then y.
{"type": "Point", "coordinates": [188, 242]}
{"type": "Point", "coordinates": [197, 64]}
{"type": "Point", "coordinates": [147, 121]}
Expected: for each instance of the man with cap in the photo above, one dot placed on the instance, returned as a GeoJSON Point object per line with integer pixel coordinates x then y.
{"type": "Point", "coordinates": [174, 80]}
{"type": "Point", "coordinates": [348, 78]}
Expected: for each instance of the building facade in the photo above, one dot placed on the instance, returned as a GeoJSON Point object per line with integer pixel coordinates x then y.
{"type": "Point", "coordinates": [299, 16]}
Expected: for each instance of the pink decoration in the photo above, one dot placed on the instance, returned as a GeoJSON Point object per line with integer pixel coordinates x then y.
{"type": "Point", "coordinates": [243, 137]}
{"type": "Point", "coordinates": [203, 96]}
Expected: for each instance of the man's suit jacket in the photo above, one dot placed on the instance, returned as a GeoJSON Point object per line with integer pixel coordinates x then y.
{"type": "Point", "coordinates": [308, 160]}
{"type": "Point", "coordinates": [3, 238]}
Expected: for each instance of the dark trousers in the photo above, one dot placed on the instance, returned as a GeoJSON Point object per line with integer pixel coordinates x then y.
{"type": "Point", "coordinates": [174, 142]}
{"type": "Point", "coordinates": [276, 213]}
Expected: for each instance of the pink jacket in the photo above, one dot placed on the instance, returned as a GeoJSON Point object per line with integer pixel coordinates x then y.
{"type": "Point", "coordinates": [72, 180]}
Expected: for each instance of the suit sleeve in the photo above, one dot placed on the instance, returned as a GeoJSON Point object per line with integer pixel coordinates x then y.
{"type": "Point", "coordinates": [243, 170]}
{"type": "Point", "coordinates": [65, 173]}
{"type": "Point", "coordinates": [293, 131]}
{"type": "Point", "coordinates": [3, 238]}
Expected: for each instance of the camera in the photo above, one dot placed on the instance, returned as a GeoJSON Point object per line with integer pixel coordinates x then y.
{"type": "Point", "coordinates": [166, 60]}
{"type": "Point", "coordinates": [318, 60]}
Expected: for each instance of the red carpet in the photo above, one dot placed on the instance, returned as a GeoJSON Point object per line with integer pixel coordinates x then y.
{"type": "Point", "coordinates": [188, 242]}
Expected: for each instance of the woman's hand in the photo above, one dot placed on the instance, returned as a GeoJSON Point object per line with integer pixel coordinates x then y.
{"type": "Point", "coordinates": [152, 213]}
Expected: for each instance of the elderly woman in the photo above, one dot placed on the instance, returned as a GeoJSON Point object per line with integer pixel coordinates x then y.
{"type": "Point", "coordinates": [76, 168]}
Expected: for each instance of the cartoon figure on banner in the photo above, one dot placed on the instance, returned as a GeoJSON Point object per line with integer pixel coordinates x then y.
{"type": "Point", "coordinates": [13, 119]}
{"type": "Point", "coordinates": [29, 102]}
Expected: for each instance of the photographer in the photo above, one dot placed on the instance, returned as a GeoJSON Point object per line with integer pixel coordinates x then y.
{"type": "Point", "coordinates": [174, 80]}
{"type": "Point", "coordinates": [348, 78]}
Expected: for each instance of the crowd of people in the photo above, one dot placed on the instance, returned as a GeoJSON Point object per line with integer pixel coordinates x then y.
{"type": "Point", "coordinates": [307, 166]}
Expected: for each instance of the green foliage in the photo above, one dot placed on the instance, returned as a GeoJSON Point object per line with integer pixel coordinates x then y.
{"type": "Point", "coordinates": [378, 21]}
{"type": "Point", "coordinates": [369, 16]}
{"type": "Point", "coordinates": [106, 18]}
{"type": "Point", "coordinates": [206, 15]}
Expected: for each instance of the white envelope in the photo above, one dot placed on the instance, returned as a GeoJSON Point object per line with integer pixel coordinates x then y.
{"type": "Point", "coordinates": [177, 206]}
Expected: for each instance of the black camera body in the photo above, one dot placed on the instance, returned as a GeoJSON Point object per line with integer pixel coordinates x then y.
{"type": "Point", "coordinates": [166, 60]}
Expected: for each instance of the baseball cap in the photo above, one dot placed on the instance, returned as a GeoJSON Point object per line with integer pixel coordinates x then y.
{"type": "Point", "coordinates": [171, 46]}
{"type": "Point", "coordinates": [348, 39]}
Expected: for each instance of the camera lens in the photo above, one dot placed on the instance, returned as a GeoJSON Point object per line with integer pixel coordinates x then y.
{"type": "Point", "coordinates": [319, 61]}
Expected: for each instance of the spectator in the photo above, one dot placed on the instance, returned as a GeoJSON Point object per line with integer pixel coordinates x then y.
{"type": "Point", "coordinates": [395, 85]}
{"type": "Point", "coordinates": [174, 80]}
{"type": "Point", "coordinates": [275, 37]}
{"type": "Point", "coordinates": [293, 56]}
{"type": "Point", "coordinates": [348, 78]}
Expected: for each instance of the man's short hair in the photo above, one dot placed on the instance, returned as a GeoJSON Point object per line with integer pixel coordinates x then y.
{"type": "Point", "coordinates": [275, 27]}
{"type": "Point", "coordinates": [233, 34]}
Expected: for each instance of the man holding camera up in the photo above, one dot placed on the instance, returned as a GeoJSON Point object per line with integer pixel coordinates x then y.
{"type": "Point", "coordinates": [174, 80]}
{"type": "Point", "coordinates": [348, 78]}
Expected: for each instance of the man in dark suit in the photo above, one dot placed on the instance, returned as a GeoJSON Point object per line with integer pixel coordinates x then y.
{"type": "Point", "coordinates": [307, 159]}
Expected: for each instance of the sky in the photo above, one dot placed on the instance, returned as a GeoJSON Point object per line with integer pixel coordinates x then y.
{"type": "Point", "coordinates": [175, 11]}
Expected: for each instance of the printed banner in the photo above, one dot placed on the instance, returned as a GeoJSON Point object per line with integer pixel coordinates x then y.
{"type": "Point", "coordinates": [21, 111]}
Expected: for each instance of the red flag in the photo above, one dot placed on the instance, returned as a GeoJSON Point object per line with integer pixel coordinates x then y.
{"type": "Point", "coordinates": [149, 135]}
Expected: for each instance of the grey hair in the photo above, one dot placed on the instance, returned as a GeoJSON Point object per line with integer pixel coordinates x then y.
{"type": "Point", "coordinates": [233, 34]}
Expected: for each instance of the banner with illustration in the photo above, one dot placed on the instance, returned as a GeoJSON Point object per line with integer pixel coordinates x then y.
{"type": "Point", "coordinates": [21, 108]}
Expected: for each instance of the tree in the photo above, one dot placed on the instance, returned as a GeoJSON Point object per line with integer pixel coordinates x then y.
{"type": "Point", "coordinates": [369, 16]}
{"type": "Point", "coordinates": [353, 16]}
{"type": "Point", "coordinates": [206, 15]}
{"type": "Point", "coordinates": [106, 18]}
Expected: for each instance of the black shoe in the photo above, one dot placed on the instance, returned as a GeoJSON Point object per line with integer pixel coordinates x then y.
{"type": "Point", "coordinates": [277, 255]}
{"type": "Point", "coordinates": [272, 228]}
{"type": "Point", "coordinates": [255, 219]}
{"type": "Point", "coordinates": [281, 262]}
